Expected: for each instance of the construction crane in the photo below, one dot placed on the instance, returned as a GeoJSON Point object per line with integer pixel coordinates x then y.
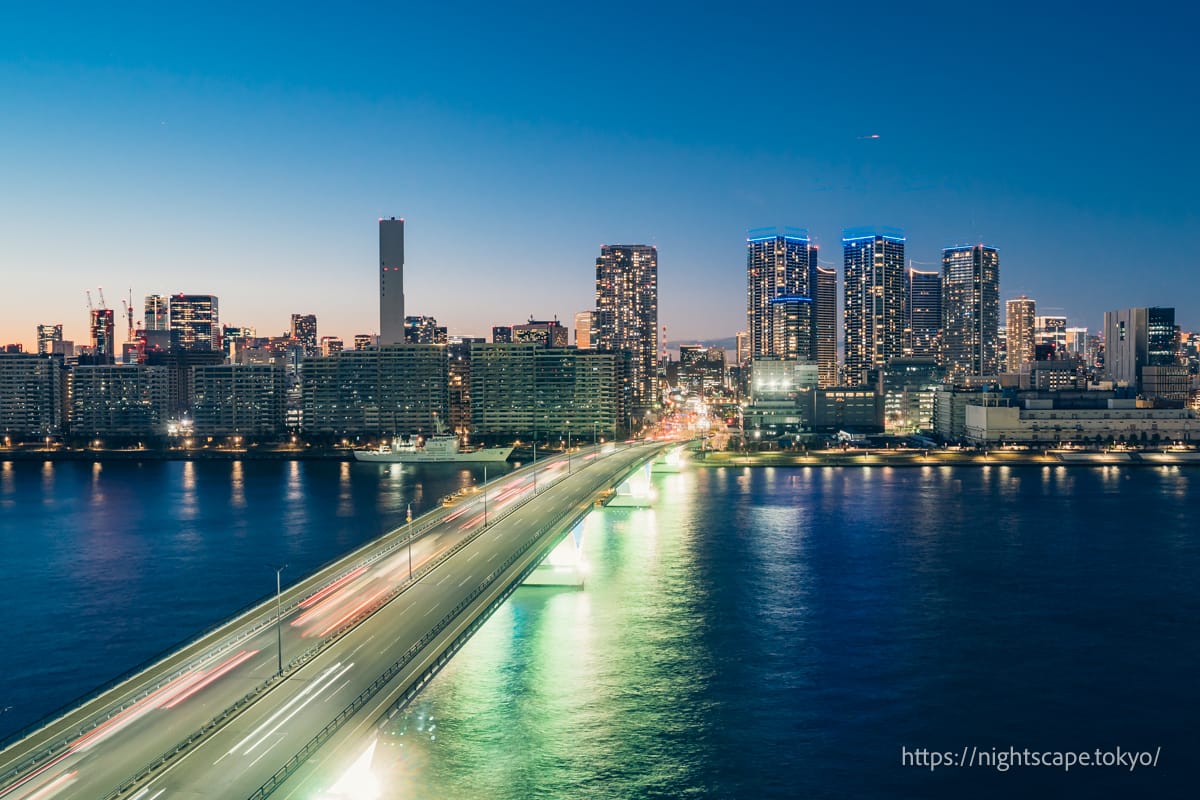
{"type": "Point", "coordinates": [103, 305]}
{"type": "Point", "coordinates": [88, 292]}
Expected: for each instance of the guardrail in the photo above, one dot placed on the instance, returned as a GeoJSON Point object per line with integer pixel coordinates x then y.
{"type": "Point", "coordinates": [364, 555]}
{"type": "Point", "coordinates": [227, 714]}
{"type": "Point", "coordinates": [292, 764]}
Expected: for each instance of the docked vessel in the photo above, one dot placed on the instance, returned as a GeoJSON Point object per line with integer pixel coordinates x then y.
{"type": "Point", "coordinates": [441, 447]}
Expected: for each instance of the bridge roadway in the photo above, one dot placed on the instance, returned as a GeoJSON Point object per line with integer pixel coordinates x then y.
{"type": "Point", "coordinates": [214, 720]}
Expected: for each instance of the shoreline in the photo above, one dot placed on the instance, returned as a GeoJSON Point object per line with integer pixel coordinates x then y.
{"type": "Point", "coordinates": [948, 459]}
{"type": "Point", "coordinates": [176, 455]}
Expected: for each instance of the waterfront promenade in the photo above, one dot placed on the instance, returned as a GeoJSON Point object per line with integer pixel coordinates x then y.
{"type": "Point", "coordinates": [948, 458]}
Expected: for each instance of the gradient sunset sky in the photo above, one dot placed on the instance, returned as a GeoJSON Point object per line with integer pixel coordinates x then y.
{"type": "Point", "coordinates": [248, 152]}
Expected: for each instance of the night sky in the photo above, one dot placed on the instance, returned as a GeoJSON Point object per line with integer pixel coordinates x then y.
{"type": "Point", "coordinates": [249, 153]}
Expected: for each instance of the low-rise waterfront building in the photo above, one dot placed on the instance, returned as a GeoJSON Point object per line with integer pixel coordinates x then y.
{"type": "Point", "coordinates": [1039, 422]}
{"type": "Point", "coordinates": [119, 400]}
{"type": "Point", "coordinates": [238, 400]}
{"type": "Point", "coordinates": [386, 391]}
{"type": "Point", "coordinates": [530, 390]}
{"type": "Point", "coordinates": [31, 396]}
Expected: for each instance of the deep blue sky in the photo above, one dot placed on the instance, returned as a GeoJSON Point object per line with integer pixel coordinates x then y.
{"type": "Point", "coordinates": [249, 153]}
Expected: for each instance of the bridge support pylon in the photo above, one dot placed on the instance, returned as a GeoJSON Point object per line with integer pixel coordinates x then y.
{"type": "Point", "coordinates": [563, 566]}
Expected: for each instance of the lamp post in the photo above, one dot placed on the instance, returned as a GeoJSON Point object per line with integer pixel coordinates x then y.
{"type": "Point", "coordinates": [568, 447]}
{"type": "Point", "coordinates": [408, 518]}
{"type": "Point", "coordinates": [279, 618]}
{"type": "Point", "coordinates": [485, 495]}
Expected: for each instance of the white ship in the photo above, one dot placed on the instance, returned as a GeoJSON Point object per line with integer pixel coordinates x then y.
{"type": "Point", "coordinates": [441, 447]}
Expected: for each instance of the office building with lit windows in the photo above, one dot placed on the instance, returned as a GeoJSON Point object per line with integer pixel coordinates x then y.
{"type": "Point", "coordinates": [1020, 331]}
{"type": "Point", "coordinates": [47, 336]}
{"type": "Point", "coordinates": [970, 310]}
{"type": "Point", "coordinates": [195, 323]}
{"type": "Point", "coordinates": [874, 305]}
{"type": "Point", "coordinates": [780, 278]}
{"type": "Point", "coordinates": [923, 313]}
{"type": "Point", "coordinates": [825, 312]}
{"type": "Point", "coordinates": [304, 331]}
{"type": "Point", "coordinates": [627, 315]}
{"type": "Point", "coordinates": [1139, 338]}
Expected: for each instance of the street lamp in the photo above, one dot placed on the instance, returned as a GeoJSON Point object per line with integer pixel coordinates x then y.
{"type": "Point", "coordinates": [568, 447]}
{"type": "Point", "coordinates": [409, 520]}
{"type": "Point", "coordinates": [279, 617]}
{"type": "Point", "coordinates": [485, 495]}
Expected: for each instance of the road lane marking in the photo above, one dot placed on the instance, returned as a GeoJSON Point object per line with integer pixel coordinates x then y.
{"type": "Point", "coordinates": [311, 687]}
{"type": "Point", "coordinates": [295, 710]}
{"type": "Point", "coordinates": [431, 608]}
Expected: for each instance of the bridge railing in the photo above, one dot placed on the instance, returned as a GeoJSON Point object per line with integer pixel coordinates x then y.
{"type": "Point", "coordinates": [292, 764]}
{"type": "Point", "coordinates": [227, 714]}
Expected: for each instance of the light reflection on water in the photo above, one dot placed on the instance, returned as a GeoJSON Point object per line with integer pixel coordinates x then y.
{"type": "Point", "coordinates": [781, 633]}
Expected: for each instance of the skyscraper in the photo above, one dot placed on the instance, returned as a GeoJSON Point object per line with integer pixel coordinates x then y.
{"type": "Point", "coordinates": [780, 264]}
{"type": "Point", "coordinates": [923, 313]}
{"type": "Point", "coordinates": [1136, 338]}
{"type": "Point", "coordinates": [790, 318]}
{"type": "Point", "coordinates": [1051, 330]}
{"type": "Point", "coordinates": [627, 313]}
{"type": "Point", "coordinates": [195, 323]}
{"type": "Point", "coordinates": [391, 281]}
{"type": "Point", "coordinates": [157, 313]}
{"type": "Point", "coordinates": [874, 299]}
{"type": "Point", "coordinates": [47, 335]}
{"type": "Point", "coordinates": [825, 317]}
{"type": "Point", "coordinates": [583, 330]}
{"type": "Point", "coordinates": [304, 331]}
{"type": "Point", "coordinates": [103, 335]}
{"type": "Point", "coordinates": [970, 309]}
{"type": "Point", "coordinates": [1019, 315]}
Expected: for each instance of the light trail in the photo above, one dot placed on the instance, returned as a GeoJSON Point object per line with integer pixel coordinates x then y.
{"type": "Point", "coordinates": [333, 587]}
{"type": "Point", "coordinates": [210, 677]}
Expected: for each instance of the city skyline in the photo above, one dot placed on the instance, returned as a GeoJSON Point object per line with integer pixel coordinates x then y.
{"type": "Point", "coordinates": [191, 161]}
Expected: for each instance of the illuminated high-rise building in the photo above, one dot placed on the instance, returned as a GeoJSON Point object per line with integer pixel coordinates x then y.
{"type": "Point", "coordinates": [157, 315]}
{"type": "Point", "coordinates": [1019, 316]}
{"type": "Point", "coordinates": [391, 281]}
{"type": "Point", "coordinates": [103, 335]}
{"type": "Point", "coordinates": [825, 319]}
{"type": "Point", "coordinates": [583, 330]}
{"type": "Point", "coordinates": [970, 310]}
{"type": "Point", "coordinates": [424, 330]}
{"type": "Point", "coordinates": [874, 286]}
{"type": "Point", "coordinates": [780, 264]}
{"type": "Point", "coordinates": [195, 323]}
{"type": "Point", "coordinates": [627, 314]}
{"type": "Point", "coordinates": [1051, 330]}
{"type": "Point", "coordinates": [304, 331]}
{"type": "Point", "coordinates": [47, 335]}
{"type": "Point", "coordinates": [1136, 338]}
{"type": "Point", "coordinates": [923, 313]}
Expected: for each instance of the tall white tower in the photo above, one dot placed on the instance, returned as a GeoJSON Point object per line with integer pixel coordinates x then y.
{"type": "Point", "coordinates": [391, 281]}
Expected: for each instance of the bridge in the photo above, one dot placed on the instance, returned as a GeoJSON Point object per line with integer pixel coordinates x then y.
{"type": "Point", "coordinates": [242, 710]}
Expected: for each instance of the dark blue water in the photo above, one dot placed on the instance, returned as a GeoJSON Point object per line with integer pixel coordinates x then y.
{"type": "Point", "coordinates": [107, 565]}
{"type": "Point", "coordinates": [758, 633]}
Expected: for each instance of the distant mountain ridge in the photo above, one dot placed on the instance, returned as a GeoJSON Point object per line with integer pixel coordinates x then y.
{"type": "Point", "coordinates": [729, 343]}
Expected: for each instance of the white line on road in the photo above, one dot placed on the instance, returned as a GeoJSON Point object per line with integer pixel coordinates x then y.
{"type": "Point", "coordinates": [295, 710]}
{"type": "Point", "coordinates": [431, 608]}
{"type": "Point", "coordinates": [264, 752]}
{"type": "Point", "coordinates": [311, 688]}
